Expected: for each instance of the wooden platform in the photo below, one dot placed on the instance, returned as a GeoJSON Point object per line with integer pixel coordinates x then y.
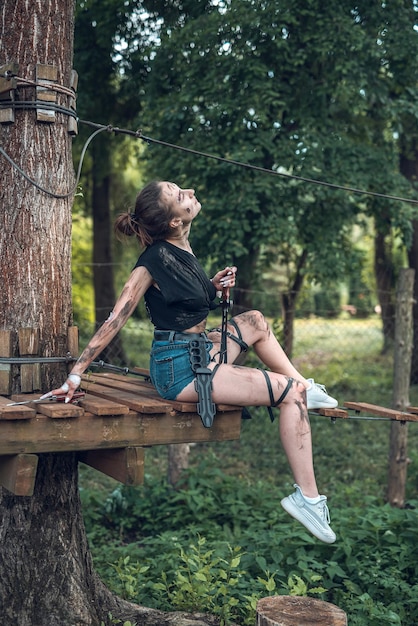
{"type": "Point", "coordinates": [110, 427]}
{"type": "Point", "coordinates": [116, 420]}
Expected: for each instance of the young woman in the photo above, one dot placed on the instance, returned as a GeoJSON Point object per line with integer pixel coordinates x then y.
{"type": "Point", "coordinates": [186, 362]}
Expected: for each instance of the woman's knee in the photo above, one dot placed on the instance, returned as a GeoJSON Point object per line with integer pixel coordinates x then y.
{"type": "Point", "coordinates": [253, 318]}
{"type": "Point", "coordinates": [296, 393]}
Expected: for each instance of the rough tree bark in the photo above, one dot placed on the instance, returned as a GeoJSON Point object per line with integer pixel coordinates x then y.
{"type": "Point", "coordinates": [46, 573]}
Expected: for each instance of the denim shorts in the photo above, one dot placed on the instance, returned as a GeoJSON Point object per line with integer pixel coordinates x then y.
{"type": "Point", "coordinates": [170, 368]}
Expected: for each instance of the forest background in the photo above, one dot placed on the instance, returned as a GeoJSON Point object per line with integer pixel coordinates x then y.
{"type": "Point", "coordinates": [302, 94]}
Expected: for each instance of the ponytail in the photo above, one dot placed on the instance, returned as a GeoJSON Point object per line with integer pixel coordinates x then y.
{"type": "Point", "coordinates": [150, 220]}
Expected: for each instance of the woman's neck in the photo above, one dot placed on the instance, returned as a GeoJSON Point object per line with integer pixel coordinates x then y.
{"type": "Point", "coordinates": [180, 242]}
{"type": "Point", "coordinates": [180, 238]}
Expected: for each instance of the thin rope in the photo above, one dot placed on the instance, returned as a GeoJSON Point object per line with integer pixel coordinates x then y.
{"type": "Point", "coordinates": [60, 196]}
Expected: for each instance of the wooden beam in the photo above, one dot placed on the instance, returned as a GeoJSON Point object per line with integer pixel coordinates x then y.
{"type": "Point", "coordinates": [125, 465]}
{"type": "Point", "coordinates": [90, 432]}
{"type": "Point", "coordinates": [18, 473]}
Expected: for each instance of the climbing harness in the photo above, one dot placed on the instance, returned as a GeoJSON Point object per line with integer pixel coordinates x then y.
{"type": "Point", "coordinates": [270, 390]}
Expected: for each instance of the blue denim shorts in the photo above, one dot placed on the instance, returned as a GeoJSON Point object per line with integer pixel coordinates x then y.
{"type": "Point", "coordinates": [170, 368]}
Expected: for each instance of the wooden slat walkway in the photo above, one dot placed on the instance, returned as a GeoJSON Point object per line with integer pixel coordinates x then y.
{"type": "Point", "coordinates": [109, 428]}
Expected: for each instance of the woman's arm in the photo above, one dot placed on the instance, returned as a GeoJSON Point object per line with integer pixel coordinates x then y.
{"type": "Point", "coordinates": [135, 287]}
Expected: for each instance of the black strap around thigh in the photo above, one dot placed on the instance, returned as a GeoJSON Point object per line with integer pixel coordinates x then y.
{"type": "Point", "coordinates": [270, 390]}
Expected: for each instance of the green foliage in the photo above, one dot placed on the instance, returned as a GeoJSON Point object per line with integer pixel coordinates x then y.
{"type": "Point", "coordinates": [82, 287]}
{"type": "Point", "coordinates": [369, 572]}
{"type": "Point", "coordinates": [297, 88]}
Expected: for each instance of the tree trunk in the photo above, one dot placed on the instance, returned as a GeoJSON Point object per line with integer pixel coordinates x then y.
{"type": "Point", "coordinates": [178, 461]}
{"type": "Point", "coordinates": [289, 305]}
{"type": "Point", "coordinates": [398, 461]}
{"type": "Point", "coordinates": [413, 263]}
{"type": "Point", "coordinates": [384, 273]}
{"type": "Point", "coordinates": [408, 163]}
{"type": "Point", "coordinates": [103, 275]}
{"type": "Point", "coordinates": [298, 611]}
{"type": "Point", "coordinates": [46, 574]}
{"type": "Point", "coordinates": [35, 237]}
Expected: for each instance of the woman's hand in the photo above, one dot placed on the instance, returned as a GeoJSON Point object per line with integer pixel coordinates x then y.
{"type": "Point", "coordinates": [68, 388]}
{"type": "Point", "coordinates": [225, 279]}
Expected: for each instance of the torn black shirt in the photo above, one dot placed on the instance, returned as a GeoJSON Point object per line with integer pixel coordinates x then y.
{"type": "Point", "coordinates": [184, 295]}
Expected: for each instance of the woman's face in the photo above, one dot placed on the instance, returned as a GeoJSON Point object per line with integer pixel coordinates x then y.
{"type": "Point", "coordinates": [182, 202]}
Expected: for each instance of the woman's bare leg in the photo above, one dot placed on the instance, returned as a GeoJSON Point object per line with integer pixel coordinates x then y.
{"type": "Point", "coordinates": [246, 386]}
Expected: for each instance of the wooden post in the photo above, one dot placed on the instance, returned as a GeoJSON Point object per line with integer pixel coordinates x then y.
{"type": "Point", "coordinates": [398, 461]}
{"type": "Point", "coordinates": [298, 611]}
{"type": "Point", "coordinates": [72, 342]}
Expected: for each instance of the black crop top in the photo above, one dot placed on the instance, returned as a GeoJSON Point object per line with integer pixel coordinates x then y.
{"type": "Point", "coordinates": [185, 294]}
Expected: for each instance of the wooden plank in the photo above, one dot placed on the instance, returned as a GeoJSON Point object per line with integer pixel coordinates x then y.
{"type": "Point", "coordinates": [18, 473]}
{"type": "Point", "coordinates": [72, 341]}
{"type": "Point", "coordinates": [125, 465]}
{"type": "Point", "coordinates": [47, 407]}
{"type": "Point", "coordinates": [45, 76]}
{"type": "Point", "coordinates": [41, 434]}
{"type": "Point", "coordinates": [6, 350]}
{"type": "Point", "coordinates": [116, 381]}
{"type": "Point", "coordinates": [30, 373]}
{"type": "Point", "coordinates": [15, 412]}
{"type": "Point", "coordinates": [60, 410]}
{"type": "Point", "coordinates": [373, 409]}
{"type": "Point", "coordinates": [57, 410]}
{"type": "Point", "coordinates": [103, 406]}
{"type": "Point", "coordinates": [134, 401]}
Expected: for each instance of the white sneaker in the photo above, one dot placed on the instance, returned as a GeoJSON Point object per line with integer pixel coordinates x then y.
{"type": "Point", "coordinates": [315, 517]}
{"type": "Point", "coordinates": [317, 397]}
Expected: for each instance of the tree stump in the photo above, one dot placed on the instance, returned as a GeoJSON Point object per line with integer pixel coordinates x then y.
{"type": "Point", "coordinates": [298, 611]}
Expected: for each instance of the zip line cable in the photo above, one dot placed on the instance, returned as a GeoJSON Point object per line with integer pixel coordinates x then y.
{"type": "Point", "coordinates": [150, 140]}
{"type": "Point", "coordinates": [138, 134]}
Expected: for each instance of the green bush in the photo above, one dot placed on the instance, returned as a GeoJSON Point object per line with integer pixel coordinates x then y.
{"type": "Point", "coordinates": [220, 544]}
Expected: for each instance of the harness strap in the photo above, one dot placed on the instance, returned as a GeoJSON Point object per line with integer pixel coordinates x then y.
{"type": "Point", "coordinates": [270, 390]}
{"type": "Point", "coordinates": [239, 340]}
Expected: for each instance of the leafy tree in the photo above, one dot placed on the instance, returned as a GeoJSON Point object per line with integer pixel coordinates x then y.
{"type": "Point", "coordinates": [301, 89]}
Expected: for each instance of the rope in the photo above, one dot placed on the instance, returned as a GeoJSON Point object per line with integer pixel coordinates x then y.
{"type": "Point", "coordinates": [60, 196]}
